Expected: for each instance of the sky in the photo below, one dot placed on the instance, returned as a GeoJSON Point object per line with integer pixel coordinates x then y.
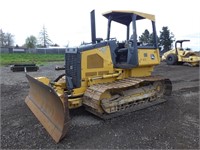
{"type": "Point", "coordinates": [68, 21]}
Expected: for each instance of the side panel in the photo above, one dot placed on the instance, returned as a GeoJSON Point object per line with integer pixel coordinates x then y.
{"type": "Point", "coordinates": [96, 62]}
{"type": "Point", "coordinates": [148, 57]}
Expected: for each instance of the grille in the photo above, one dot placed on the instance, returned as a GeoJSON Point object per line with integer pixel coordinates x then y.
{"type": "Point", "coordinates": [73, 68]}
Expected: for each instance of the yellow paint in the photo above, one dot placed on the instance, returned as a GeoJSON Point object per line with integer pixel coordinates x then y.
{"type": "Point", "coordinates": [79, 91]}
{"type": "Point", "coordinates": [144, 15]}
{"type": "Point", "coordinates": [93, 73]}
{"type": "Point", "coordinates": [183, 56]}
{"type": "Point", "coordinates": [74, 103]}
{"type": "Point", "coordinates": [44, 80]}
{"type": "Point", "coordinates": [89, 70]}
{"type": "Point", "coordinates": [148, 57]}
{"type": "Point", "coordinates": [90, 74]}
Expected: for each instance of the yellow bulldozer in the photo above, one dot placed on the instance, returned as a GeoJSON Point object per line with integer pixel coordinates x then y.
{"type": "Point", "coordinates": [179, 55]}
{"type": "Point", "coordinates": [108, 77]}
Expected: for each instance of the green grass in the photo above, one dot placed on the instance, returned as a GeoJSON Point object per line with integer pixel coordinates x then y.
{"type": "Point", "coordinates": [19, 58]}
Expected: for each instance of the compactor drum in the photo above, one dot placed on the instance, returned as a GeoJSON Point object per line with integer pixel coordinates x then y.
{"type": "Point", "coordinates": [108, 77]}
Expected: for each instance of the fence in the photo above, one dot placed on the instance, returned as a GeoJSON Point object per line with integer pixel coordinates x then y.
{"type": "Point", "coordinates": [6, 50]}
{"type": "Point", "coordinates": [34, 51]}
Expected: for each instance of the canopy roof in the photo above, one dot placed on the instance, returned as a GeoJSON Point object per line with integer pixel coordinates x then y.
{"type": "Point", "coordinates": [125, 17]}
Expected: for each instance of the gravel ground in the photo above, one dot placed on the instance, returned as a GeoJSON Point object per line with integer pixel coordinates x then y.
{"type": "Point", "coordinates": [171, 125]}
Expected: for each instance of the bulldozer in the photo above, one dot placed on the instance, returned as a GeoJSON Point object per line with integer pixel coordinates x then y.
{"type": "Point", "coordinates": [107, 77]}
{"type": "Point", "coordinates": [179, 55]}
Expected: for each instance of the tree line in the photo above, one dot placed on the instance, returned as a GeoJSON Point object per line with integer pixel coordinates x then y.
{"type": "Point", "coordinates": [7, 40]}
{"type": "Point", "coordinates": [165, 39]}
{"type": "Point", "coordinates": [42, 42]}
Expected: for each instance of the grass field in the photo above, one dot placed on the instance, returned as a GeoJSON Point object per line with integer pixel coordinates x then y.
{"type": "Point", "coordinates": [19, 58]}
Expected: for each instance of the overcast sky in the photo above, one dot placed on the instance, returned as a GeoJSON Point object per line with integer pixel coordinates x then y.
{"type": "Point", "coordinates": [68, 21]}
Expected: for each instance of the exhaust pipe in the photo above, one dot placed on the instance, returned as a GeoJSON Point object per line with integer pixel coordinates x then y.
{"type": "Point", "coordinates": [93, 26]}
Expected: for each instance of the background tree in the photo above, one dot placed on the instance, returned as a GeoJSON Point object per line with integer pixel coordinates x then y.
{"type": "Point", "coordinates": [44, 38]}
{"type": "Point", "coordinates": [9, 39]}
{"type": "Point", "coordinates": [145, 37]}
{"type": "Point", "coordinates": [31, 42]}
{"type": "Point", "coordinates": [151, 41]}
{"type": "Point", "coordinates": [166, 39]}
{"type": "Point", "coordinates": [6, 39]}
{"type": "Point", "coordinates": [2, 38]}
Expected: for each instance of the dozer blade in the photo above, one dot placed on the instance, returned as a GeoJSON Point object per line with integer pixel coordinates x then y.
{"type": "Point", "coordinates": [50, 110]}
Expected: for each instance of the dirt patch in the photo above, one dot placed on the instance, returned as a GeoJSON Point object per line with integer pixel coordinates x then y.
{"type": "Point", "coordinates": [171, 125]}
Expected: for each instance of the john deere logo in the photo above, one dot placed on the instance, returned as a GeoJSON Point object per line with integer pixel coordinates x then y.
{"type": "Point", "coordinates": [102, 49]}
{"type": "Point", "coordinates": [152, 56]}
